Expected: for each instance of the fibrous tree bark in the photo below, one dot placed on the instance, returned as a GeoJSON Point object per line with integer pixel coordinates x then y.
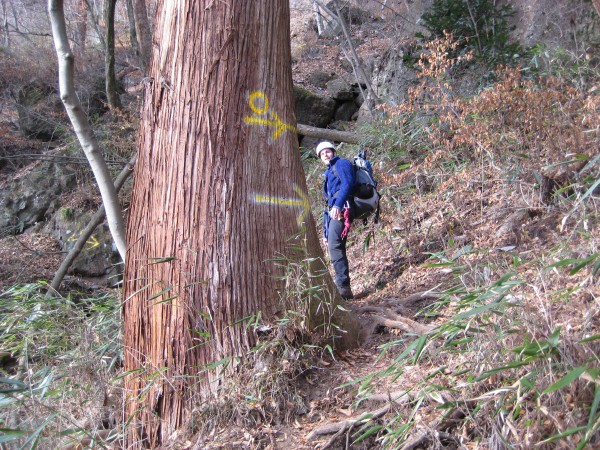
{"type": "Point", "coordinates": [219, 191]}
{"type": "Point", "coordinates": [82, 127]}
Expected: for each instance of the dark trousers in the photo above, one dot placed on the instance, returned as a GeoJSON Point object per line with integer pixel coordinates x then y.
{"type": "Point", "coordinates": [337, 252]}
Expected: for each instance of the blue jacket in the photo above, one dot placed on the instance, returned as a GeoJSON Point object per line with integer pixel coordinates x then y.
{"type": "Point", "coordinates": [337, 188]}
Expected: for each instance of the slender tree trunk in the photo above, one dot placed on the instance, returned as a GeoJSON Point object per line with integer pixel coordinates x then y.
{"type": "Point", "coordinates": [82, 127]}
{"type": "Point", "coordinates": [5, 24]}
{"type": "Point", "coordinates": [95, 16]}
{"type": "Point", "coordinates": [219, 191]}
{"type": "Point", "coordinates": [144, 33]}
{"type": "Point", "coordinates": [109, 58]}
{"type": "Point", "coordinates": [15, 15]}
{"type": "Point", "coordinates": [371, 96]}
{"type": "Point", "coordinates": [132, 33]}
{"type": "Point", "coordinates": [81, 29]}
{"type": "Point", "coordinates": [318, 18]}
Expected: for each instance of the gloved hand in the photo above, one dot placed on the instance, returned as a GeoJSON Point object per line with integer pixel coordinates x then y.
{"type": "Point", "coordinates": [336, 213]}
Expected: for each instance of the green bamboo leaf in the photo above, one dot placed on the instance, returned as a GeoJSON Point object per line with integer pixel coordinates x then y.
{"type": "Point", "coordinates": [8, 434]}
{"type": "Point", "coordinates": [565, 433]}
{"type": "Point", "coordinates": [566, 380]}
{"type": "Point", "coordinates": [583, 263]}
{"type": "Point", "coordinates": [594, 407]}
{"type": "Point", "coordinates": [419, 348]}
{"type": "Point", "coordinates": [13, 382]}
{"type": "Point", "coordinates": [511, 365]}
{"type": "Point", "coordinates": [590, 339]}
{"type": "Point", "coordinates": [371, 431]}
{"type": "Point", "coordinates": [477, 310]}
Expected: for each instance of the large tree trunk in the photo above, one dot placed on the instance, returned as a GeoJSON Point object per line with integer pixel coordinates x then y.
{"type": "Point", "coordinates": [112, 95]}
{"type": "Point", "coordinates": [144, 34]}
{"type": "Point", "coordinates": [219, 191]}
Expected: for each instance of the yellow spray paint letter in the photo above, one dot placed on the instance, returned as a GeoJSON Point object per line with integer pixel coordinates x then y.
{"type": "Point", "coordinates": [259, 104]}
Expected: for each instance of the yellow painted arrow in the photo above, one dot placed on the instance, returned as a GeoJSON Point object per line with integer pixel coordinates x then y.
{"type": "Point", "coordinates": [259, 104]}
{"type": "Point", "coordinates": [91, 243]}
{"type": "Point", "coordinates": [292, 202]}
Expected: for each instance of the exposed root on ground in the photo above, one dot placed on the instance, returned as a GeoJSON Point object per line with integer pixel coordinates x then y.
{"type": "Point", "coordinates": [387, 318]}
{"type": "Point", "coordinates": [429, 438]}
{"type": "Point", "coordinates": [346, 425]}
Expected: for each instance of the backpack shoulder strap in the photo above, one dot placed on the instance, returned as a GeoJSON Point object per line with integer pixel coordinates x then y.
{"type": "Point", "coordinates": [334, 171]}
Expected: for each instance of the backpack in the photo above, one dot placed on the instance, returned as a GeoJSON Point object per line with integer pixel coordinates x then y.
{"type": "Point", "coordinates": [364, 198]}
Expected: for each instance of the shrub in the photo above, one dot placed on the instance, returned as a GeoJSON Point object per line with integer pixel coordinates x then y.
{"type": "Point", "coordinates": [479, 25]}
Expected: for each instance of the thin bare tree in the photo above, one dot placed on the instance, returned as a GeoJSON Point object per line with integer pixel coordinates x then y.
{"type": "Point", "coordinates": [144, 33]}
{"type": "Point", "coordinates": [132, 33]}
{"type": "Point", "coordinates": [82, 127]}
{"type": "Point", "coordinates": [81, 25]}
{"type": "Point", "coordinates": [112, 96]}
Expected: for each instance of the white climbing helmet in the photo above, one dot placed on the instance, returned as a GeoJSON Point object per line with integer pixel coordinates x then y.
{"type": "Point", "coordinates": [322, 146]}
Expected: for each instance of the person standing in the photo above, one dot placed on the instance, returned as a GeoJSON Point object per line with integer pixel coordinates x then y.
{"type": "Point", "coordinates": [337, 189]}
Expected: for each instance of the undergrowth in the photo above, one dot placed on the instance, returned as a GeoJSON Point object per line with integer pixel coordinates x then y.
{"type": "Point", "coordinates": [58, 386]}
{"type": "Point", "coordinates": [511, 208]}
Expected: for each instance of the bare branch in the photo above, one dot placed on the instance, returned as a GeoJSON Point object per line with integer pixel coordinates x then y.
{"type": "Point", "coordinates": [87, 231]}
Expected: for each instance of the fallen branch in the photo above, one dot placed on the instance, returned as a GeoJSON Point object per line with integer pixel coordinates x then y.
{"type": "Point", "coordinates": [325, 133]}
{"type": "Point", "coordinates": [344, 425]}
{"type": "Point", "coordinates": [340, 427]}
{"type": "Point", "coordinates": [413, 298]}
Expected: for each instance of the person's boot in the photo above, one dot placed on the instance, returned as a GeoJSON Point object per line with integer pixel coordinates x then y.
{"type": "Point", "coordinates": [345, 292]}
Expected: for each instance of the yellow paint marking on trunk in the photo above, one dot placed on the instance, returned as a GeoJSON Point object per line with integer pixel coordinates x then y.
{"type": "Point", "coordinates": [263, 117]}
{"type": "Point", "coordinates": [302, 202]}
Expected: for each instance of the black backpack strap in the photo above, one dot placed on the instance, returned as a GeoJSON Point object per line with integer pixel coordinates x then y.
{"type": "Point", "coordinates": [334, 171]}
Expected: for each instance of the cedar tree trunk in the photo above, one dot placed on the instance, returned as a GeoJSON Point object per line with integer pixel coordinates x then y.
{"type": "Point", "coordinates": [219, 191]}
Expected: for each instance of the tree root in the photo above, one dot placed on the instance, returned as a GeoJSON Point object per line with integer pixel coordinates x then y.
{"type": "Point", "coordinates": [413, 299]}
{"type": "Point", "coordinates": [390, 319]}
{"type": "Point", "coordinates": [346, 425]}
{"type": "Point", "coordinates": [423, 437]}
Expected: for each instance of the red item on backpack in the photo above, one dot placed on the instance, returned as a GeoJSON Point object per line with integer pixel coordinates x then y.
{"type": "Point", "coordinates": [347, 223]}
